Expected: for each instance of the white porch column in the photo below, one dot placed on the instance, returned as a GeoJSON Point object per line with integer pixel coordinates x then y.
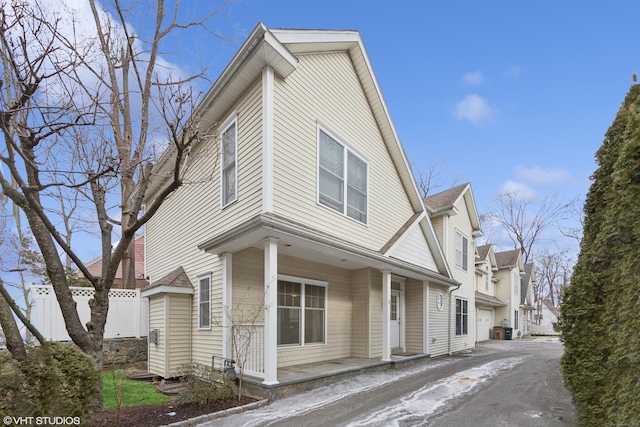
{"type": "Point", "coordinates": [271, 311]}
{"type": "Point", "coordinates": [386, 314]}
{"type": "Point", "coordinates": [227, 304]}
{"type": "Point", "coordinates": [425, 317]}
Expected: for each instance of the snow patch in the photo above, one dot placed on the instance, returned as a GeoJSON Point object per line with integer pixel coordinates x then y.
{"type": "Point", "coordinates": [428, 399]}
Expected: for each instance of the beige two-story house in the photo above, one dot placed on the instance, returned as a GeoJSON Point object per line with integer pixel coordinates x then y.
{"type": "Point", "coordinates": [509, 273]}
{"type": "Point", "coordinates": [301, 207]}
{"type": "Point", "coordinates": [457, 224]}
{"type": "Point", "coordinates": [486, 291]}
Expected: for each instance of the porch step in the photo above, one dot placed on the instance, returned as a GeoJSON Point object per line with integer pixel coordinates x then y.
{"type": "Point", "coordinates": [171, 388]}
{"type": "Point", "coordinates": [143, 376]}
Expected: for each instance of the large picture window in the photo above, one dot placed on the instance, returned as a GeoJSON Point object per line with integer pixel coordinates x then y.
{"type": "Point", "coordinates": [462, 251]}
{"type": "Point", "coordinates": [462, 316]}
{"type": "Point", "coordinates": [301, 311]}
{"type": "Point", "coordinates": [342, 174]}
{"type": "Point", "coordinates": [204, 302]}
{"type": "Point", "coordinates": [228, 164]}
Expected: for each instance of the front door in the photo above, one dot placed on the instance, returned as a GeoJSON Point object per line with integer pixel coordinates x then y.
{"type": "Point", "coordinates": [395, 319]}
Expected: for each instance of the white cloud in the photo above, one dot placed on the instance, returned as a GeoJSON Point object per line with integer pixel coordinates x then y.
{"type": "Point", "coordinates": [538, 176]}
{"type": "Point", "coordinates": [475, 109]}
{"type": "Point", "coordinates": [513, 71]}
{"type": "Point", "coordinates": [473, 78]}
{"type": "Point", "coordinates": [525, 191]}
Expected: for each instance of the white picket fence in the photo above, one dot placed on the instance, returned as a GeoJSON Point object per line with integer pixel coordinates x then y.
{"type": "Point", "coordinates": [250, 341]}
{"type": "Point", "coordinates": [128, 312]}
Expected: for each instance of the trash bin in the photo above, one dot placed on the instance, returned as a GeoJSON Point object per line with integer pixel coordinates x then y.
{"type": "Point", "coordinates": [498, 333]}
{"type": "Point", "coordinates": [508, 333]}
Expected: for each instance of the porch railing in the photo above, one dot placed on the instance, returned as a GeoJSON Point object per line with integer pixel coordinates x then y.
{"type": "Point", "coordinates": [248, 348]}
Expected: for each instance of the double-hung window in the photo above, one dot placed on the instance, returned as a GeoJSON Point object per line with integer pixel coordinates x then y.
{"type": "Point", "coordinates": [462, 316]}
{"type": "Point", "coordinates": [301, 311]}
{"type": "Point", "coordinates": [204, 302]}
{"type": "Point", "coordinates": [462, 251]}
{"type": "Point", "coordinates": [229, 163]}
{"type": "Point", "coordinates": [342, 178]}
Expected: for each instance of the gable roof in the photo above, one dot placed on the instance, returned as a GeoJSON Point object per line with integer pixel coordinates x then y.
{"type": "Point", "coordinates": [445, 203]}
{"type": "Point", "coordinates": [176, 282]}
{"type": "Point", "coordinates": [483, 251]}
{"type": "Point", "coordinates": [551, 307]}
{"type": "Point", "coordinates": [510, 258]}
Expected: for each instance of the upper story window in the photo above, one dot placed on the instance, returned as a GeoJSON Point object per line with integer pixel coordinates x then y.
{"type": "Point", "coordinates": [462, 251]}
{"type": "Point", "coordinates": [516, 283]}
{"type": "Point", "coordinates": [342, 178]}
{"type": "Point", "coordinates": [229, 163]}
{"type": "Point", "coordinates": [204, 302]}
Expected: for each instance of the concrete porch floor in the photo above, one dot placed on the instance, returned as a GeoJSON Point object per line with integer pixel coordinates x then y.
{"type": "Point", "coordinates": [299, 378]}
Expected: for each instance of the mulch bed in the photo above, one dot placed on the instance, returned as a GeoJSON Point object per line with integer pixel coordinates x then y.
{"type": "Point", "coordinates": [158, 415]}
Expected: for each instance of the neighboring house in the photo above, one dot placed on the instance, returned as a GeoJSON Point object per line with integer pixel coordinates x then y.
{"type": "Point", "coordinates": [510, 270]}
{"type": "Point", "coordinates": [456, 222]}
{"type": "Point", "coordinates": [486, 300]}
{"type": "Point", "coordinates": [95, 266]}
{"type": "Point", "coordinates": [545, 316]}
{"type": "Point", "coordinates": [526, 298]}
{"type": "Point", "coordinates": [308, 214]}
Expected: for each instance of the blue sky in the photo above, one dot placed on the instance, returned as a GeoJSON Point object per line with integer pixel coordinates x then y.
{"type": "Point", "coordinates": [510, 94]}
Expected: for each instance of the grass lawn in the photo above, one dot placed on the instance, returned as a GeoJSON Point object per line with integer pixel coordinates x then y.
{"type": "Point", "coordinates": [135, 393]}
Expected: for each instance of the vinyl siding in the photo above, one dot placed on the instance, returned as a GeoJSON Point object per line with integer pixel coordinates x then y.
{"type": "Point", "coordinates": [179, 333]}
{"type": "Point", "coordinates": [375, 314]}
{"type": "Point", "coordinates": [414, 248]}
{"type": "Point", "coordinates": [461, 222]}
{"type": "Point", "coordinates": [156, 352]}
{"type": "Point", "coordinates": [413, 318]}
{"type": "Point", "coordinates": [325, 89]}
{"type": "Point", "coordinates": [360, 313]}
{"type": "Point", "coordinates": [171, 240]}
{"type": "Point", "coordinates": [438, 322]}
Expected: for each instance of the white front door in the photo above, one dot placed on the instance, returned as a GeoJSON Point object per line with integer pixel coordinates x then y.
{"type": "Point", "coordinates": [394, 314]}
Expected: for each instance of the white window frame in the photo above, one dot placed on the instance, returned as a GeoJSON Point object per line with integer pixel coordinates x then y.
{"type": "Point", "coordinates": [303, 282]}
{"type": "Point", "coordinates": [233, 122]}
{"type": "Point", "coordinates": [462, 251]}
{"type": "Point", "coordinates": [345, 184]}
{"type": "Point", "coordinates": [201, 278]}
{"type": "Point", "coordinates": [464, 317]}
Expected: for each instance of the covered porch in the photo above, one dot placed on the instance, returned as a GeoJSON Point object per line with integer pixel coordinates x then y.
{"type": "Point", "coordinates": [350, 330]}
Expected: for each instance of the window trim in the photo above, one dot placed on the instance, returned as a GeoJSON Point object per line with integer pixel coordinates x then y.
{"type": "Point", "coordinates": [202, 277]}
{"type": "Point", "coordinates": [463, 316]}
{"type": "Point", "coordinates": [345, 177]}
{"type": "Point", "coordinates": [464, 264]}
{"type": "Point", "coordinates": [303, 282]}
{"type": "Point", "coordinates": [233, 121]}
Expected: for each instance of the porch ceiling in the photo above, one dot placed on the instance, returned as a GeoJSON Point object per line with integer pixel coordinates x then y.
{"type": "Point", "coordinates": [302, 242]}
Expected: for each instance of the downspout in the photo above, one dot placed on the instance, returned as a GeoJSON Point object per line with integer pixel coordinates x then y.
{"type": "Point", "coordinates": [450, 295]}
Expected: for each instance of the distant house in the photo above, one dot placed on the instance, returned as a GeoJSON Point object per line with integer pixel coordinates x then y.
{"type": "Point", "coordinates": [544, 317]}
{"type": "Point", "coordinates": [486, 290]}
{"type": "Point", "coordinates": [302, 206]}
{"type": "Point", "coordinates": [509, 271]}
{"type": "Point", "coordinates": [95, 266]}
{"type": "Point", "coordinates": [526, 298]}
{"type": "Point", "coordinates": [456, 222]}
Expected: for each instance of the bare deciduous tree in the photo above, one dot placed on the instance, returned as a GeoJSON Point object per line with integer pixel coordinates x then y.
{"type": "Point", "coordinates": [552, 275]}
{"type": "Point", "coordinates": [433, 178]}
{"type": "Point", "coordinates": [86, 103]}
{"type": "Point", "coordinates": [525, 220]}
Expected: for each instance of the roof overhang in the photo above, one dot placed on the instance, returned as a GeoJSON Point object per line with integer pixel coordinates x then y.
{"type": "Point", "coordinates": [484, 300]}
{"type": "Point", "coordinates": [165, 289]}
{"type": "Point", "coordinates": [299, 241]}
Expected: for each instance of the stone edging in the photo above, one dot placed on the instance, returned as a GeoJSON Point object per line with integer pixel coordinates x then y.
{"type": "Point", "coordinates": [215, 415]}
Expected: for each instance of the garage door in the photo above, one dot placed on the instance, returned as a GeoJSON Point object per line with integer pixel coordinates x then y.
{"type": "Point", "coordinates": [485, 324]}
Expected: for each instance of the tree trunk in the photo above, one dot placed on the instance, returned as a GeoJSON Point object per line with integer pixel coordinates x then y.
{"type": "Point", "coordinates": [14, 342]}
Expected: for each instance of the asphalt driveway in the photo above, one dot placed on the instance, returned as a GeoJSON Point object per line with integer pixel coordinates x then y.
{"type": "Point", "coordinates": [500, 383]}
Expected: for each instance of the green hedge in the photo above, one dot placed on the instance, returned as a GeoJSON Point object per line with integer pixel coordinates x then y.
{"type": "Point", "coordinates": [56, 380]}
{"type": "Point", "coordinates": [599, 321]}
